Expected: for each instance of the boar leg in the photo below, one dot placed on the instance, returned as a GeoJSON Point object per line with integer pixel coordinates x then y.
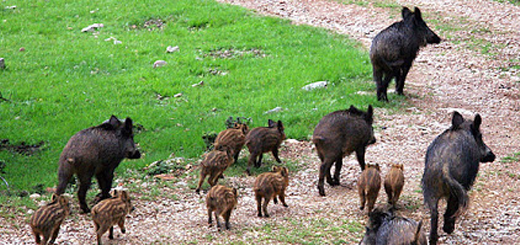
{"type": "Point", "coordinates": [388, 190]}
{"type": "Point", "coordinates": [259, 204]}
{"type": "Point", "coordinates": [267, 199]}
{"type": "Point", "coordinates": [102, 229]}
{"type": "Point", "coordinates": [282, 199]}
{"type": "Point", "coordinates": [236, 155]}
{"type": "Point", "coordinates": [433, 222]}
{"type": "Point", "coordinates": [104, 179]}
{"type": "Point", "coordinates": [399, 81]}
{"type": "Point", "coordinates": [55, 234]}
{"type": "Point", "coordinates": [337, 171]}
{"type": "Point", "coordinates": [84, 185]}
{"type": "Point", "coordinates": [360, 155]}
{"type": "Point", "coordinates": [121, 225]}
{"type": "Point", "coordinates": [201, 180]}
{"type": "Point", "coordinates": [449, 216]}
{"type": "Point", "coordinates": [259, 163]}
{"type": "Point", "coordinates": [210, 221]}
{"type": "Point", "coordinates": [324, 169]}
{"type": "Point", "coordinates": [218, 222]}
{"type": "Point", "coordinates": [275, 155]}
{"type": "Point", "coordinates": [111, 233]}
{"type": "Point", "coordinates": [252, 161]}
{"type": "Point", "coordinates": [226, 215]}
{"type": "Point", "coordinates": [362, 198]}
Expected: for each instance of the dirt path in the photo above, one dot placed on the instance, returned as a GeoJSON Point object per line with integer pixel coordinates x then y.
{"type": "Point", "coordinates": [470, 71]}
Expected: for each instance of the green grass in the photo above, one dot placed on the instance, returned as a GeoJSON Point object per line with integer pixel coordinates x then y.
{"type": "Point", "coordinates": [66, 80]}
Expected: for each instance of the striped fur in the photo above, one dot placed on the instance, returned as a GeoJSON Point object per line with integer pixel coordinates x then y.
{"type": "Point", "coordinates": [270, 185]}
{"type": "Point", "coordinates": [46, 221]}
{"type": "Point", "coordinates": [394, 183]}
{"type": "Point", "coordinates": [264, 139]}
{"type": "Point", "coordinates": [110, 212]}
{"type": "Point", "coordinates": [369, 184]}
{"type": "Point", "coordinates": [214, 164]}
{"type": "Point", "coordinates": [234, 138]}
{"type": "Point", "coordinates": [221, 200]}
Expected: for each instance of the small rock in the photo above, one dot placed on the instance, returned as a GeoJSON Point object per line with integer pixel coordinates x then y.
{"type": "Point", "coordinates": [2, 63]}
{"type": "Point", "coordinates": [276, 109]}
{"type": "Point", "coordinates": [198, 84]}
{"type": "Point", "coordinates": [114, 39]}
{"type": "Point", "coordinates": [165, 177]}
{"type": "Point", "coordinates": [171, 49]}
{"type": "Point", "coordinates": [292, 141]}
{"type": "Point", "coordinates": [10, 7]}
{"type": "Point", "coordinates": [92, 27]}
{"type": "Point", "coordinates": [312, 86]}
{"type": "Point", "coordinates": [35, 196]}
{"type": "Point", "coordinates": [177, 95]}
{"type": "Point", "coordinates": [21, 49]}
{"type": "Point", "coordinates": [159, 63]}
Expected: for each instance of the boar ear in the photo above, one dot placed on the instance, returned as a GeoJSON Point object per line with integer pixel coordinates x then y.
{"type": "Point", "coordinates": [54, 197]}
{"type": "Point", "coordinates": [270, 123]}
{"type": "Point", "coordinates": [417, 13]}
{"type": "Point", "coordinates": [406, 13]}
{"type": "Point", "coordinates": [285, 172]}
{"type": "Point", "coordinates": [114, 121]}
{"type": "Point", "coordinates": [235, 191]}
{"type": "Point", "coordinates": [476, 123]}
{"type": "Point", "coordinates": [128, 125]}
{"type": "Point", "coordinates": [370, 115]}
{"type": "Point", "coordinates": [418, 232]}
{"type": "Point", "coordinates": [124, 195]}
{"type": "Point", "coordinates": [456, 121]}
{"type": "Point", "coordinates": [63, 201]}
{"type": "Point", "coordinates": [280, 126]}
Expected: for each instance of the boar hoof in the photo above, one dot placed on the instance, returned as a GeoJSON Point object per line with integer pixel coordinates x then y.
{"type": "Point", "coordinates": [362, 207]}
{"type": "Point", "coordinates": [110, 236]}
{"type": "Point", "coordinates": [266, 215]}
{"type": "Point", "coordinates": [449, 226]}
{"type": "Point", "coordinates": [197, 191]}
{"type": "Point", "coordinates": [123, 231]}
{"type": "Point", "coordinates": [260, 215]}
{"type": "Point", "coordinates": [285, 205]}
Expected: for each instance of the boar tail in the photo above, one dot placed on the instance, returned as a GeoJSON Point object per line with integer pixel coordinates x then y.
{"type": "Point", "coordinates": [456, 191]}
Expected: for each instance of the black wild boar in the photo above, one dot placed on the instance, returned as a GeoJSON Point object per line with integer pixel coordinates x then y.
{"type": "Point", "coordinates": [269, 186]}
{"type": "Point", "coordinates": [214, 164]}
{"type": "Point", "coordinates": [394, 49]}
{"type": "Point", "coordinates": [385, 228]}
{"type": "Point", "coordinates": [369, 184]}
{"type": "Point", "coordinates": [110, 212]}
{"type": "Point", "coordinates": [452, 162]}
{"type": "Point", "coordinates": [221, 200]}
{"type": "Point", "coordinates": [264, 139]}
{"type": "Point", "coordinates": [46, 221]}
{"type": "Point", "coordinates": [96, 151]}
{"type": "Point", "coordinates": [234, 138]}
{"type": "Point", "coordinates": [337, 135]}
{"type": "Point", "coordinates": [394, 183]}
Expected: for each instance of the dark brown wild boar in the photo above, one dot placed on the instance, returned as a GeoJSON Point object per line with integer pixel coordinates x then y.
{"type": "Point", "coordinates": [451, 166]}
{"type": "Point", "coordinates": [394, 183]}
{"type": "Point", "coordinates": [336, 136]}
{"type": "Point", "coordinates": [270, 185]}
{"type": "Point", "coordinates": [214, 164]}
{"type": "Point", "coordinates": [96, 151]}
{"type": "Point", "coordinates": [110, 212]}
{"type": "Point", "coordinates": [46, 221]}
{"type": "Point", "coordinates": [369, 184]}
{"type": "Point", "coordinates": [386, 228]}
{"type": "Point", "coordinates": [234, 138]}
{"type": "Point", "coordinates": [221, 200]}
{"type": "Point", "coordinates": [264, 139]}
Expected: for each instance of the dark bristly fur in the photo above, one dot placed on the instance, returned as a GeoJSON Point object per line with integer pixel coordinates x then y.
{"type": "Point", "coordinates": [385, 228]}
{"type": "Point", "coordinates": [96, 151]}
{"type": "Point", "coordinates": [269, 186]}
{"type": "Point", "coordinates": [234, 138]}
{"type": "Point", "coordinates": [221, 200]}
{"type": "Point", "coordinates": [394, 183]}
{"type": "Point", "coordinates": [214, 164]}
{"type": "Point", "coordinates": [264, 139]}
{"type": "Point", "coordinates": [110, 212]}
{"type": "Point", "coordinates": [46, 221]}
{"type": "Point", "coordinates": [337, 135]}
{"type": "Point", "coordinates": [369, 184]}
{"type": "Point", "coordinates": [451, 166]}
{"type": "Point", "coordinates": [394, 49]}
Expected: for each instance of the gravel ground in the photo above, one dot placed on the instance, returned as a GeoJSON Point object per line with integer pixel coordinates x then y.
{"type": "Point", "coordinates": [463, 73]}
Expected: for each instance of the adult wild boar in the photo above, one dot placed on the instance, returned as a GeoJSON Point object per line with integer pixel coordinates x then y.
{"type": "Point", "coordinates": [337, 135]}
{"type": "Point", "coordinates": [394, 49]}
{"type": "Point", "coordinates": [452, 162]}
{"type": "Point", "coordinates": [96, 151]}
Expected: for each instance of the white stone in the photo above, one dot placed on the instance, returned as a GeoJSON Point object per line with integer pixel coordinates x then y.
{"type": "Point", "coordinates": [159, 63]}
{"type": "Point", "coordinates": [312, 86]}
{"type": "Point", "coordinates": [92, 27]}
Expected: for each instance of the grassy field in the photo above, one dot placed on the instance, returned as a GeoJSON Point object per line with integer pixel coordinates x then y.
{"type": "Point", "coordinates": [60, 80]}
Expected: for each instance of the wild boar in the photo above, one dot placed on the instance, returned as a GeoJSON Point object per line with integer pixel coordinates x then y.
{"type": "Point", "coordinates": [264, 139]}
{"type": "Point", "coordinates": [110, 212]}
{"type": "Point", "coordinates": [234, 138]}
{"type": "Point", "coordinates": [394, 183]}
{"type": "Point", "coordinates": [46, 221]}
{"type": "Point", "coordinates": [369, 184]}
{"type": "Point", "coordinates": [270, 185]}
{"type": "Point", "coordinates": [451, 166]}
{"type": "Point", "coordinates": [221, 200]}
{"type": "Point", "coordinates": [96, 151]}
{"type": "Point", "coordinates": [214, 164]}
{"type": "Point", "coordinates": [337, 135]}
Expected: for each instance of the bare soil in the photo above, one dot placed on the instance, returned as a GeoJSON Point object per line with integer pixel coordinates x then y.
{"type": "Point", "coordinates": [474, 70]}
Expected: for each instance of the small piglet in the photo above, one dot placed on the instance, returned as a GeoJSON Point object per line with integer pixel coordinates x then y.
{"type": "Point", "coordinates": [369, 184]}
{"type": "Point", "coordinates": [234, 138]}
{"type": "Point", "coordinates": [221, 200]}
{"type": "Point", "coordinates": [110, 212]}
{"type": "Point", "coordinates": [270, 185]}
{"type": "Point", "coordinates": [46, 221]}
{"type": "Point", "coordinates": [214, 164]}
{"type": "Point", "coordinates": [394, 183]}
{"type": "Point", "coordinates": [264, 139]}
